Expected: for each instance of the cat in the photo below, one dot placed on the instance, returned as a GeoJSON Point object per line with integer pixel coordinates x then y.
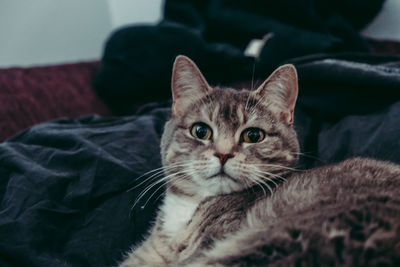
{"type": "Point", "coordinates": [235, 198]}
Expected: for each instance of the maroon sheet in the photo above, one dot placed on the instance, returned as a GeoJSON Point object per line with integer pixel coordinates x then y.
{"type": "Point", "coordinates": [36, 94]}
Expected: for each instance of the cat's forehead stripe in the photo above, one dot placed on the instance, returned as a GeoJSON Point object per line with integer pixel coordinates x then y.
{"type": "Point", "coordinates": [228, 116]}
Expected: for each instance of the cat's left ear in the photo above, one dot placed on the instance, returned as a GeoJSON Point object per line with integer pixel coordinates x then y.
{"type": "Point", "coordinates": [188, 85]}
{"type": "Point", "coordinates": [279, 92]}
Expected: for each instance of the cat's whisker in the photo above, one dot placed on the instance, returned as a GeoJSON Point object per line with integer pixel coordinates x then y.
{"type": "Point", "coordinates": [259, 180]}
{"type": "Point", "coordinates": [168, 187]}
{"type": "Point", "coordinates": [275, 166]}
{"type": "Point", "coordinates": [161, 171]}
{"type": "Point", "coordinates": [162, 168]}
{"type": "Point", "coordinates": [270, 174]}
{"type": "Point", "coordinates": [252, 75]}
{"type": "Point", "coordinates": [268, 178]}
{"type": "Point", "coordinates": [144, 192]}
{"type": "Point", "coordinates": [151, 171]}
{"type": "Point", "coordinates": [176, 178]}
{"type": "Point", "coordinates": [151, 196]}
{"type": "Point", "coordinates": [308, 156]}
{"type": "Point", "coordinates": [153, 176]}
{"type": "Point", "coordinates": [247, 102]}
{"type": "Point", "coordinates": [252, 86]}
{"type": "Point", "coordinates": [161, 195]}
{"type": "Point", "coordinates": [155, 191]}
{"type": "Point", "coordinates": [247, 184]}
{"type": "Point", "coordinates": [259, 184]}
{"type": "Point", "coordinates": [165, 180]}
{"type": "Point", "coordinates": [159, 181]}
{"type": "Point", "coordinates": [259, 100]}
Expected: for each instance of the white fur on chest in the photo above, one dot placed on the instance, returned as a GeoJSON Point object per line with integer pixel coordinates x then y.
{"type": "Point", "coordinates": [177, 212]}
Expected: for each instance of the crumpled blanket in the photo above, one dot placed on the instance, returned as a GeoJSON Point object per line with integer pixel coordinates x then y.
{"type": "Point", "coordinates": [64, 190]}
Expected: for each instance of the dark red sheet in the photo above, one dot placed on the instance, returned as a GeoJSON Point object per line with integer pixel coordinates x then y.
{"type": "Point", "coordinates": [32, 95]}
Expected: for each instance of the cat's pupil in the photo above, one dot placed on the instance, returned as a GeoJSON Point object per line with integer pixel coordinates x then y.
{"type": "Point", "coordinates": [253, 135]}
{"type": "Point", "coordinates": [201, 131]}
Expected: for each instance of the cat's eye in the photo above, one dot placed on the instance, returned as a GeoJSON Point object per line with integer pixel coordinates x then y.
{"type": "Point", "coordinates": [253, 135]}
{"type": "Point", "coordinates": [201, 131]}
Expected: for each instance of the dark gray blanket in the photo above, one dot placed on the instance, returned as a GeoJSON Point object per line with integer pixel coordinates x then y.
{"type": "Point", "coordinates": [64, 190]}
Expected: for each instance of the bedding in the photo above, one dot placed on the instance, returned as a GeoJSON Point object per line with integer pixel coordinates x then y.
{"type": "Point", "coordinates": [67, 186]}
{"type": "Point", "coordinates": [32, 95]}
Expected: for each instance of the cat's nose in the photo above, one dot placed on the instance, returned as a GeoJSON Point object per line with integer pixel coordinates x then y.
{"type": "Point", "coordinates": [223, 158]}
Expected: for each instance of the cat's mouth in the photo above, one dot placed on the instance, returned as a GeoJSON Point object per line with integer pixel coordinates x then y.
{"type": "Point", "coordinates": [222, 175]}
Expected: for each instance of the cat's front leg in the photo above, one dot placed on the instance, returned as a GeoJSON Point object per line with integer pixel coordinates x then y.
{"type": "Point", "coordinates": [154, 252]}
{"type": "Point", "coordinates": [145, 255]}
{"type": "Point", "coordinates": [214, 218]}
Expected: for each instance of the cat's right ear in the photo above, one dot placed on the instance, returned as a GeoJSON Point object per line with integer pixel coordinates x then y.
{"type": "Point", "coordinates": [188, 85]}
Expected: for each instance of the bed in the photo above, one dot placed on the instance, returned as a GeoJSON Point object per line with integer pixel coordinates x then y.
{"type": "Point", "coordinates": [68, 185]}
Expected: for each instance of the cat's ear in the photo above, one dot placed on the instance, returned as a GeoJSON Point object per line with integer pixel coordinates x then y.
{"type": "Point", "coordinates": [188, 84]}
{"type": "Point", "coordinates": [279, 92]}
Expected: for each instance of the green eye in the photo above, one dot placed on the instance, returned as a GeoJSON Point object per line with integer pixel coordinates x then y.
{"type": "Point", "coordinates": [201, 131]}
{"type": "Point", "coordinates": [253, 135]}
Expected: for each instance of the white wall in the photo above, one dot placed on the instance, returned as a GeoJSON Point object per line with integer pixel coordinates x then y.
{"type": "Point", "coordinates": [35, 32]}
{"type": "Point", "coordinates": [387, 24]}
{"type": "Point", "coordinates": [41, 32]}
{"type": "Point", "coordinates": [134, 11]}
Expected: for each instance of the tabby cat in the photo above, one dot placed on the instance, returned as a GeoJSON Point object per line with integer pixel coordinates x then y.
{"type": "Point", "coordinates": [235, 198]}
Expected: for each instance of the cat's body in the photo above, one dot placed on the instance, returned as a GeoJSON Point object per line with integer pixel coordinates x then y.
{"type": "Point", "coordinates": [225, 152]}
{"type": "Point", "coordinates": [337, 215]}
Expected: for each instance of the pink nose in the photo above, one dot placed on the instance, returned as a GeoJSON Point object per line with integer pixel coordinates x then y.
{"type": "Point", "coordinates": [223, 158]}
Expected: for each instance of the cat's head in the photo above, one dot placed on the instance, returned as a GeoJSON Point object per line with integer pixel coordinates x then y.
{"type": "Point", "coordinates": [220, 140]}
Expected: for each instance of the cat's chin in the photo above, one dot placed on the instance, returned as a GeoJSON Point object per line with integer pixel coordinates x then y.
{"type": "Point", "coordinates": [223, 176]}
{"type": "Point", "coordinates": [221, 184]}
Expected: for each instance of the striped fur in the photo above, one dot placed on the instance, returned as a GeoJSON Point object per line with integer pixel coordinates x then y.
{"type": "Point", "coordinates": [222, 214]}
